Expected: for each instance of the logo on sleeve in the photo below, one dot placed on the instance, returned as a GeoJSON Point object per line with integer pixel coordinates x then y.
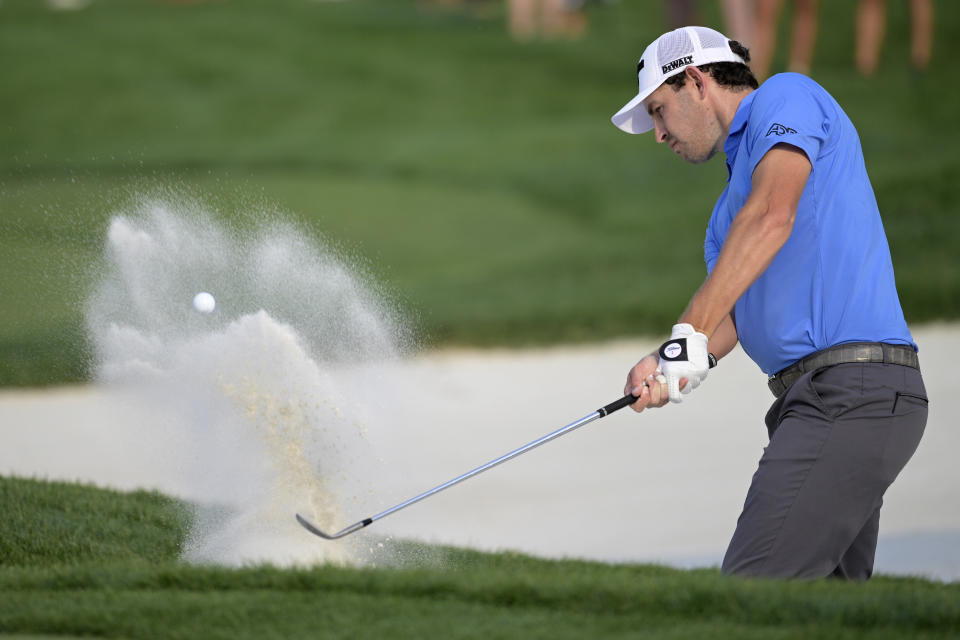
{"type": "Point", "coordinates": [779, 129]}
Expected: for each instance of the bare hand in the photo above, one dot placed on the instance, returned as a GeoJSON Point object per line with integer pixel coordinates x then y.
{"type": "Point", "coordinates": [647, 383]}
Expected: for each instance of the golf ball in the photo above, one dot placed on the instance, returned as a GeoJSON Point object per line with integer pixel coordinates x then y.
{"type": "Point", "coordinates": [204, 302]}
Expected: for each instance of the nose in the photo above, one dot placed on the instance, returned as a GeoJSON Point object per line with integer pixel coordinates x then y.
{"type": "Point", "coordinates": [659, 132]}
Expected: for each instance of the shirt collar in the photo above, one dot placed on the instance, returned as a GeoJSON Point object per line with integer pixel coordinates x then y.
{"type": "Point", "coordinates": [740, 118]}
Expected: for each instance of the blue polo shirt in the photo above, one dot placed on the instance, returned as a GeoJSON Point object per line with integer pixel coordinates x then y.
{"type": "Point", "coordinates": [832, 282]}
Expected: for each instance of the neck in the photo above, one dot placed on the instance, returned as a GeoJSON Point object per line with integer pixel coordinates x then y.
{"type": "Point", "coordinates": [727, 108]}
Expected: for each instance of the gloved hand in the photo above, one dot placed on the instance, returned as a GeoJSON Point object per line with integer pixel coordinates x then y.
{"type": "Point", "coordinates": [684, 355]}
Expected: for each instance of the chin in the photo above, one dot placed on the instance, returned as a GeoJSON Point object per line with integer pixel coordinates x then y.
{"type": "Point", "coordinates": [700, 159]}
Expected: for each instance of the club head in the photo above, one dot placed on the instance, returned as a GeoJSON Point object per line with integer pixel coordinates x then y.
{"type": "Point", "coordinates": [309, 526]}
{"type": "Point", "coordinates": [312, 528]}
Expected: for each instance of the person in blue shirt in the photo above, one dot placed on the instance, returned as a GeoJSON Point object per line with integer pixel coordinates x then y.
{"type": "Point", "coordinates": [799, 274]}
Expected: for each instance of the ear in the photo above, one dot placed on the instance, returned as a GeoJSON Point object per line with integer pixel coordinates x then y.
{"type": "Point", "coordinates": [699, 79]}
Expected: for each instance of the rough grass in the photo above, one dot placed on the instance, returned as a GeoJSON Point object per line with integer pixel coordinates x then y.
{"type": "Point", "coordinates": [478, 178]}
{"type": "Point", "coordinates": [81, 561]}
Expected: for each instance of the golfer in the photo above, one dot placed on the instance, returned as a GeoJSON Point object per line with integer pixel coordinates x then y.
{"type": "Point", "coordinates": [800, 274]}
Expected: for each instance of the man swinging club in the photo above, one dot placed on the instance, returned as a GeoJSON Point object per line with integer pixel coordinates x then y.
{"type": "Point", "coordinates": [799, 272]}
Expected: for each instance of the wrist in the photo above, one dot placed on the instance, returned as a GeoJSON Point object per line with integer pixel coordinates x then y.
{"type": "Point", "coordinates": [689, 328]}
{"type": "Point", "coordinates": [696, 321]}
{"type": "Point", "coordinates": [698, 328]}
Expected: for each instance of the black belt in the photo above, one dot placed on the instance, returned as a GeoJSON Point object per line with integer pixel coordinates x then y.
{"type": "Point", "coordinates": [844, 354]}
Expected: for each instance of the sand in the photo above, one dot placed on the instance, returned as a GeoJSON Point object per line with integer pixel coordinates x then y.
{"type": "Point", "coordinates": [665, 486]}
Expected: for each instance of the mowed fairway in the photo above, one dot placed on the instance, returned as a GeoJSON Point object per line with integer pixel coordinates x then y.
{"type": "Point", "coordinates": [478, 179]}
{"type": "Point", "coordinates": [81, 561]}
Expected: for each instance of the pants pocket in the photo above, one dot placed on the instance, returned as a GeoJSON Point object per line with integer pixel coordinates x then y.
{"type": "Point", "coordinates": [909, 398]}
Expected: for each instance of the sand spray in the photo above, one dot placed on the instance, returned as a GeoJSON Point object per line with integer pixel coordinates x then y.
{"type": "Point", "coordinates": [257, 409]}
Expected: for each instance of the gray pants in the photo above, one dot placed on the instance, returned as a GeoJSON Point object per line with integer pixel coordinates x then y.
{"type": "Point", "coordinates": [838, 438]}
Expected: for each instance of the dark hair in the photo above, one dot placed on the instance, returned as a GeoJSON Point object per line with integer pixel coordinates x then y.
{"type": "Point", "coordinates": [727, 74]}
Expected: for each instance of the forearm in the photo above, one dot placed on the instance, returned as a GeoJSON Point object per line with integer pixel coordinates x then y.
{"type": "Point", "coordinates": [724, 339]}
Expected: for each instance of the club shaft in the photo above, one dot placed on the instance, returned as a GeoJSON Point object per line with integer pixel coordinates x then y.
{"type": "Point", "coordinates": [599, 413]}
{"type": "Point", "coordinates": [509, 456]}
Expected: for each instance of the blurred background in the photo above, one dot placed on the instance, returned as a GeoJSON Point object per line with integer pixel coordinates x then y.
{"type": "Point", "coordinates": [459, 152]}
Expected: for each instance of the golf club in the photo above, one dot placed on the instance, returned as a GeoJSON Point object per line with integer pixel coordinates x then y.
{"type": "Point", "coordinates": [599, 413]}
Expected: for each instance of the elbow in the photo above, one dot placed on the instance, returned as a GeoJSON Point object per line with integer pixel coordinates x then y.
{"type": "Point", "coordinates": [778, 223]}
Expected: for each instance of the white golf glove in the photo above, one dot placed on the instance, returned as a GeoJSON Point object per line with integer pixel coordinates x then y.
{"type": "Point", "coordinates": [684, 355]}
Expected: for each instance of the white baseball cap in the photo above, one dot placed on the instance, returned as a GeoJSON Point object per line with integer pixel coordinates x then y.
{"type": "Point", "coordinates": [667, 56]}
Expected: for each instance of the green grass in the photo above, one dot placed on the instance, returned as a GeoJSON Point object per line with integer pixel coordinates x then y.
{"type": "Point", "coordinates": [81, 561]}
{"type": "Point", "coordinates": [479, 178]}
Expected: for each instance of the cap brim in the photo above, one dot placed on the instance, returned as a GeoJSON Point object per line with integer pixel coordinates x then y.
{"type": "Point", "coordinates": [633, 118]}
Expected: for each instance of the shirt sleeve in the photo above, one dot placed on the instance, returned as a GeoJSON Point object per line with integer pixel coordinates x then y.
{"type": "Point", "coordinates": [786, 111]}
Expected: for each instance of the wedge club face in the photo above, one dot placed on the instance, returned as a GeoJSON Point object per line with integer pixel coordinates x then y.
{"type": "Point", "coordinates": [312, 528]}
{"type": "Point", "coordinates": [625, 401]}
